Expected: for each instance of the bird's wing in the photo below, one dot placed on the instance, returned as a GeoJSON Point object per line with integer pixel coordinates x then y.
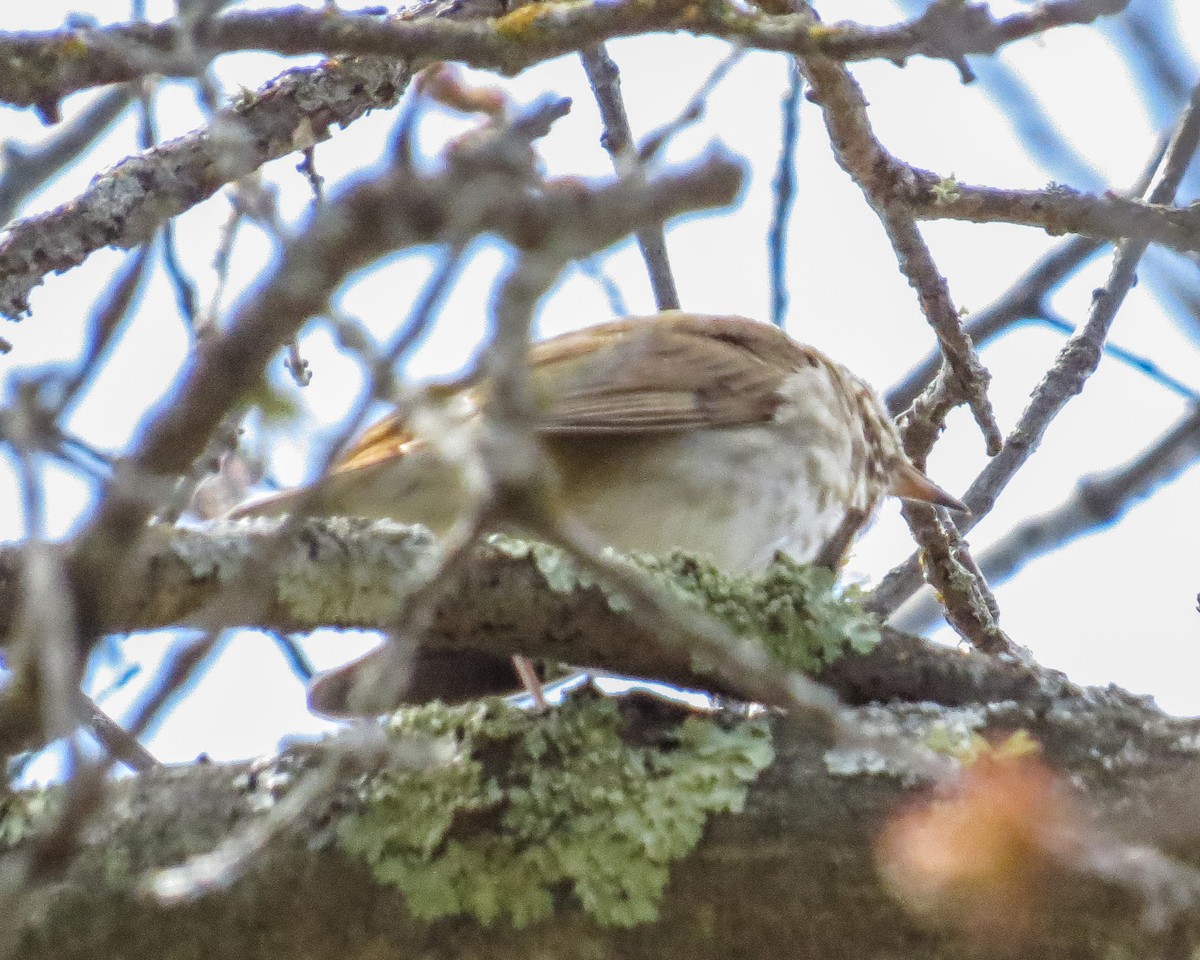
{"type": "Point", "coordinates": [660, 373]}
{"type": "Point", "coordinates": [667, 372]}
{"type": "Point", "coordinates": [394, 437]}
{"type": "Point", "coordinates": [390, 437]}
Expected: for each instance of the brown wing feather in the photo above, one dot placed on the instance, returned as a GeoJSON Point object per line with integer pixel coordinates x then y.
{"type": "Point", "coordinates": [665, 372]}
{"type": "Point", "coordinates": [658, 373]}
{"type": "Point", "coordinates": [390, 437]}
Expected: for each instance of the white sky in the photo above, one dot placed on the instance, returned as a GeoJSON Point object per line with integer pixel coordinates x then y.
{"type": "Point", "coordinates": [1117, 606]}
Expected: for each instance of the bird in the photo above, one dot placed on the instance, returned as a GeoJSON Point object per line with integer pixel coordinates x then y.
{"type": "Point", "coordinates": [716, 435]}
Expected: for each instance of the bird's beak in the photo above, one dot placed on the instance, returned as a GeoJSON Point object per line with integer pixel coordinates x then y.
{"type": "Point", "coordinates": [909, 483]}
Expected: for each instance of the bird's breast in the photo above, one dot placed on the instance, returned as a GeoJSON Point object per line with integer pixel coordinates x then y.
{"type": "Point", "coordinates": [735, 496]}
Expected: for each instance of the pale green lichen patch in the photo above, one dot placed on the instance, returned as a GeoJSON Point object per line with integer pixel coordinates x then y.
{"type": "Point", "coordinates": [27, 813]}
{"type": "Point", "coordinates": [561, 573]}
{"type": "Point", "coordinates": [532, 806]}
{"type": "Point", "coordinates": [338, 575]}
{"type": "Point", "coordinates": [797, 611]}
{"type": "Point", "coordinates": [927, 731]}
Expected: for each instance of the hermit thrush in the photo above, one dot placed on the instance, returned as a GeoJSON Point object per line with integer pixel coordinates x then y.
{"type": "Point", "coordinates": [717, 435]}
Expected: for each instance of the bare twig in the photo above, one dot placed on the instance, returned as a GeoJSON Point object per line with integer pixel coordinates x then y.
{"type": "Point", "coordinates": [125, 205]}
{"type": "Point", "coordinates": [123, 52]}
{"type": "Point", "coordinates": [693, 110]}
{"type": "Point", "coordinates": [785, 194]}
{"type": "Point", "coordinates": [181, 665]}
{"type": "Point", "coordinates": [316, 182]}
{"type": "Point", "coordinates": [294, 654]}
{"type": "Point", "coordinates": [116, 740]}
{"type": "Point", "coordinates": [103, 328]}
{"type": "Point", "coordinates": [1024, 299]}
{"type": "Point", "coordinates": [605, 81]}
{"type": "Point", "coordinates": [594, 268]}
{"type": "Point", "coordinates": [970, 607]}
{"type": "Point", "coordinates": [1098, 500]}
{"type": "Point", "coordinates": [27, 168]}
{"type": "Point", "coordinates": [880, 176]}
{"type": "Point", "coordinates": [1075, 363]}
{"type": "Point", "coordinates": [1057, 210]}
{"type": "Point", "coordinates": [295, 364]}
{"type": "Point", "coordinates": [181, 284]}
{"type": "Point", "coordinates": [1135, 361]}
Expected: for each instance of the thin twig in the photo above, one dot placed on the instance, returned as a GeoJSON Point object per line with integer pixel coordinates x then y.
{"type": "Point", "coordinates": [970, 606]}
{"type": "Point", "coordinates": [1075, 364]}
{"type": "Point", "coordinates": [785, 193]}
{"type": "Point", "coordinates": [882, 177]}
{"type": "Point", "coordinates": [1024, 299]}
{"type": "Point", "coordinates": [181, 665]}
{"type": "Point", "coordinates": [1098, 500]}
{"type": "Point", "coordinates": [27, 168]}
{"type": "Point", "coordinates": [294, 654]}
{"type": "Point", "coordinates": [605, 81]}
{"type": "Point", "coordinates": [104, 327]}
{"type": "Point", "coordinates": [1135, 361]}
{"type": "Point", "coordinates": [116, 740]}
{"type": "Point", "coordinates": [185, 291]}
{"type": "Point", "coordinates": [693, 110]}
{"type": "Point", "coordinates": [592, 267]}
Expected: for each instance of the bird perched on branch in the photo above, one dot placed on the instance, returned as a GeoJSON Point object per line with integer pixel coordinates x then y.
{"type": "Point", "coordinates": [717, 435]}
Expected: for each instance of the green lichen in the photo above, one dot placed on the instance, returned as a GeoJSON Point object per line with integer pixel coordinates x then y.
{"type": "Point", "coordinates": [529, 806]}
{"type": "Point", "coordinates": [797, 611]}
{"type": "Point", "coordinates": [946, 191]}
{"type": "Point", "coordinates": [26, 814]}
{"type": "Point", "coordinates": [561, 573]}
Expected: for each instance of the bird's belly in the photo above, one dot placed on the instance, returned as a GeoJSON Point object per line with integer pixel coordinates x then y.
{"type": "Point", "coordinates": [734, 496]}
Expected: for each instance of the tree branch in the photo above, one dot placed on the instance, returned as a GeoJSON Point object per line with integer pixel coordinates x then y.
{"type": "Point", "coordinates": [39, 69]}
{"type": "Point", "coordinates": [125, 205]}
{"type": "Point", "coordinates": [1072, 368]}
{"type": "Point", "coordinates": [355, 574]}
{"type": "Point", "coordinates": [1098, 500]}
{"type": "Point", "coordinates": [785, 867]}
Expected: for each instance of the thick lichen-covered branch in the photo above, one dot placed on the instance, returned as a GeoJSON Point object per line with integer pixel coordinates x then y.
{"type": "Point", "coordinates": [553, 836]}
{"type": "Point", "coordinates": [512, 597]}
{"type": "Point", "coordinates": [579, 805]}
